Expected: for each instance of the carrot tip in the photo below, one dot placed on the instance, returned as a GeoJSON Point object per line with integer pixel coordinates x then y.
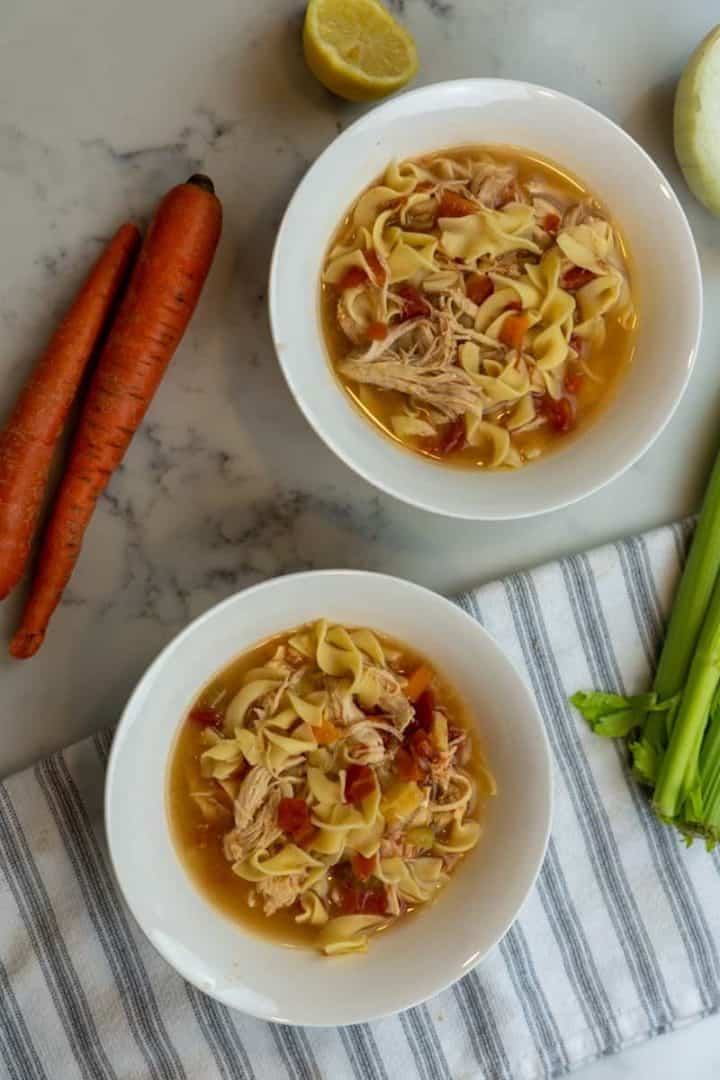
{"type": "Point", "coordinates": [202, 181]}
{"type": "Point", "coordinates": [24, 645]}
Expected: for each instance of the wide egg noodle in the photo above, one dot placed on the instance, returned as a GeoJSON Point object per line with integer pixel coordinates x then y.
{"type": "Point", "coordinates": [311, 711]}
{"type": "Point", "coordinates": [347, 933]}
{"type": "Point", "coordinates": [367, 841]}
{"type": "Point", "coordinates": [491, 308]}
{"type": "Point", "coordinates": [336, 653]}
{"type": "Point", "coordinates": [313, 911]}
{"type": "Point", "coordinates": [288, 743]}
{"type": "Point", "coordinates": [493, 439]}
{"type": "Point", "coordinates": [589, 246]}
{"type": "Point", "coordinates": [461, 839]}
{"type": "Point", "coordinates": [367, 643]}
{"type": "Point", "coordinates": [369, 205]}
{"type": "Point", "coordinates": [336, 270]}
{"type": "Point", "coordinates": [522, 414]}
{"type": "Point", "coordinates": [412, 255]}
{"type": "Point", "coordinates": [407, 425]}
{"type": "Point", "coordinates": [598, 296]}
{"type": "Point", "coordinates": [289, 860]}
{"type": "Point", "coordinates": [247, 696]}
{"type": "Point", "coordinates": [222, 760]}
{"type": "Point", "coordinates": [523, 288]}
{"type": "Point", "coordinates": [331, 841]}
{"type": "Point", "coordinates": [322, 788]}
{"type": "Point", "coordinates": [402, 177]}
{"type": "Point", "coordinates": [487, 233]}
{"type": "Point", "coordinates": [549, 348]}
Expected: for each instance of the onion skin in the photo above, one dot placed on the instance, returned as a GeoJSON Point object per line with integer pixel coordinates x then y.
{"type": "Point", "coordinates": [696, 100]}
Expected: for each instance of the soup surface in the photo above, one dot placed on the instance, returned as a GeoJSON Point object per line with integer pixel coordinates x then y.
{"type": "Point", "coordinates": [324, 785]}
{"type": "Point", "coordinates": [477, 305]}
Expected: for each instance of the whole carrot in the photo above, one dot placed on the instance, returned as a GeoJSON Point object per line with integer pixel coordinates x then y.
{"type": "Point", "coordinates": [160, 299]}
{"type": "Point", "coordinates": [31, 434]}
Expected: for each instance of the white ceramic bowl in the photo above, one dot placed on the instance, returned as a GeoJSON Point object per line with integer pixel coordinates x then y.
{"type": "Point", "coordinates": [667, 278]}
{"type": "Point", "coordinates": [416, 960]}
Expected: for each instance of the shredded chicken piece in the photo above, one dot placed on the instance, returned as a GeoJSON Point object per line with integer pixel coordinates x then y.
{"type": "Point", "coordinates": [421, 215]}
{"type": "Point", "coordinates": [424, 369]}
{"type": "Point", "coordinates": [512, 264]}
{"type": "Point", "coordinates": [260, 833]}
{"type": "Point", "coordinates": [395, 845]}
{"type": "Point", "coordinates": [391, 845]}
{"type": "Point", "coordinates": [490, 183]}
{"type": "Point", "coordinates": [395, 336]}
{"type": "Point", "coordinates": [579, 214]}
{"type": "Point", "coordinates": [342, 708]}
{"type": "Point", "coordinates": [542, 206]}
{"type": "Point", "coordinates": [252, 792]}
{"type": "Point", "coordinates": [463, 303]}
{"type": "Point", "coordinates": [365, 745]}
{"type": "Point", "coordinates": [392, 700]}
{"type": "Point", "coordinates": [450, 391]}
{"type": "Point", "coordinates": [347, 324]}
{"type": "Point", "coordinates": [279, 892]}
{"type": "Point", "coordinates": [256, 806]}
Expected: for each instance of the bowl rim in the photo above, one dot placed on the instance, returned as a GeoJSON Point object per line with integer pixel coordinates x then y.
{"type": "Point", "coordinates": [376, 478]}
{"type": "Point", "coordinates": [112, 800]}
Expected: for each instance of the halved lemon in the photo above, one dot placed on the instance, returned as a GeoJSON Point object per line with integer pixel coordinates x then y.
{"type": "Point", "coordinates": [356, 49]}
{"type": "Point", "coordinates": [697, 122]}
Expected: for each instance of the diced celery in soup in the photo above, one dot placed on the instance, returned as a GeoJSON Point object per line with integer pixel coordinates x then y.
{"type": "Point", "coordinates": [477, 305]}
{"type": "Point", "coordinates": [325, 785]}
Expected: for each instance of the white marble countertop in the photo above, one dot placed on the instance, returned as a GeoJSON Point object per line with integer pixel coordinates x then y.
{"type": "Point", "coordinates": [103, 106]}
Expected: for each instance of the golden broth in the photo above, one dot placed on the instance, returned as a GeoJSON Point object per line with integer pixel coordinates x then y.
{"type": "Point", "coordinates": [199, 843]}
{"type": "Point", "coordinates": [609, 362]}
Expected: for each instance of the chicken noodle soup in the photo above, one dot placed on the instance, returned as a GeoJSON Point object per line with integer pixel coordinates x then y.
{"type": "Point", "coordinates": [477, 305]}
{"type": "Point", "coordinates": [324, 785]}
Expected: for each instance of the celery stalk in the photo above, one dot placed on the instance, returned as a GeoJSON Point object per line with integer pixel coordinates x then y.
{"type": "Point", "coordinates": [686, 619]}
{"type": "Point", "coordinates": [710, 777]}
{"type": "Point", "coordinates": [674, 733]}
{"type": "Point", "coordinates": [679, 771]}
{"type": "Point", "coordinates": [693, 595]}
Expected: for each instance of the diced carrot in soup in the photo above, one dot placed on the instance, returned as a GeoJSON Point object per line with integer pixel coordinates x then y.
{"type": "Point", "coordinates": [359, 783]}
{"type": "Point", "coordinates": [559, 414]}
{"type": "Point", "coordinates": [576, 277]}
{"type": "Point", "coordinates": [414, 303]}
{"type": "Point", "coordinates": [363, 868]}
{"type": "Point", "coordinates": [453, 205]}
{"type": "Point", "coordinates": [293, 815]}
{"type": "Point", "coordinates": [418, 682]}
{"type": "Point", "coordinates": [406, 765]}
{"type": "Point", "coordinates": [377, 331]}
{"type": "Point", "coordinates": [326, 733]}
{"type": "Point", "coordinates": [478, 287]}
{"type": "Point", "coordinates": [512, 331]}
{"type": "Point", "coordinates": [206, 716]}
{"type": "Point", "coordinates": [573, 381]}
{"type": "Point", "coordinates": [424, 708]}
{"type": "Point", "coordinates": [352, 278]}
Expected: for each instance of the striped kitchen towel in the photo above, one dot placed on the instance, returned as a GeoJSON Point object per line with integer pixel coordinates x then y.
{"type": "Point", "coordinates": [617, 943]}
